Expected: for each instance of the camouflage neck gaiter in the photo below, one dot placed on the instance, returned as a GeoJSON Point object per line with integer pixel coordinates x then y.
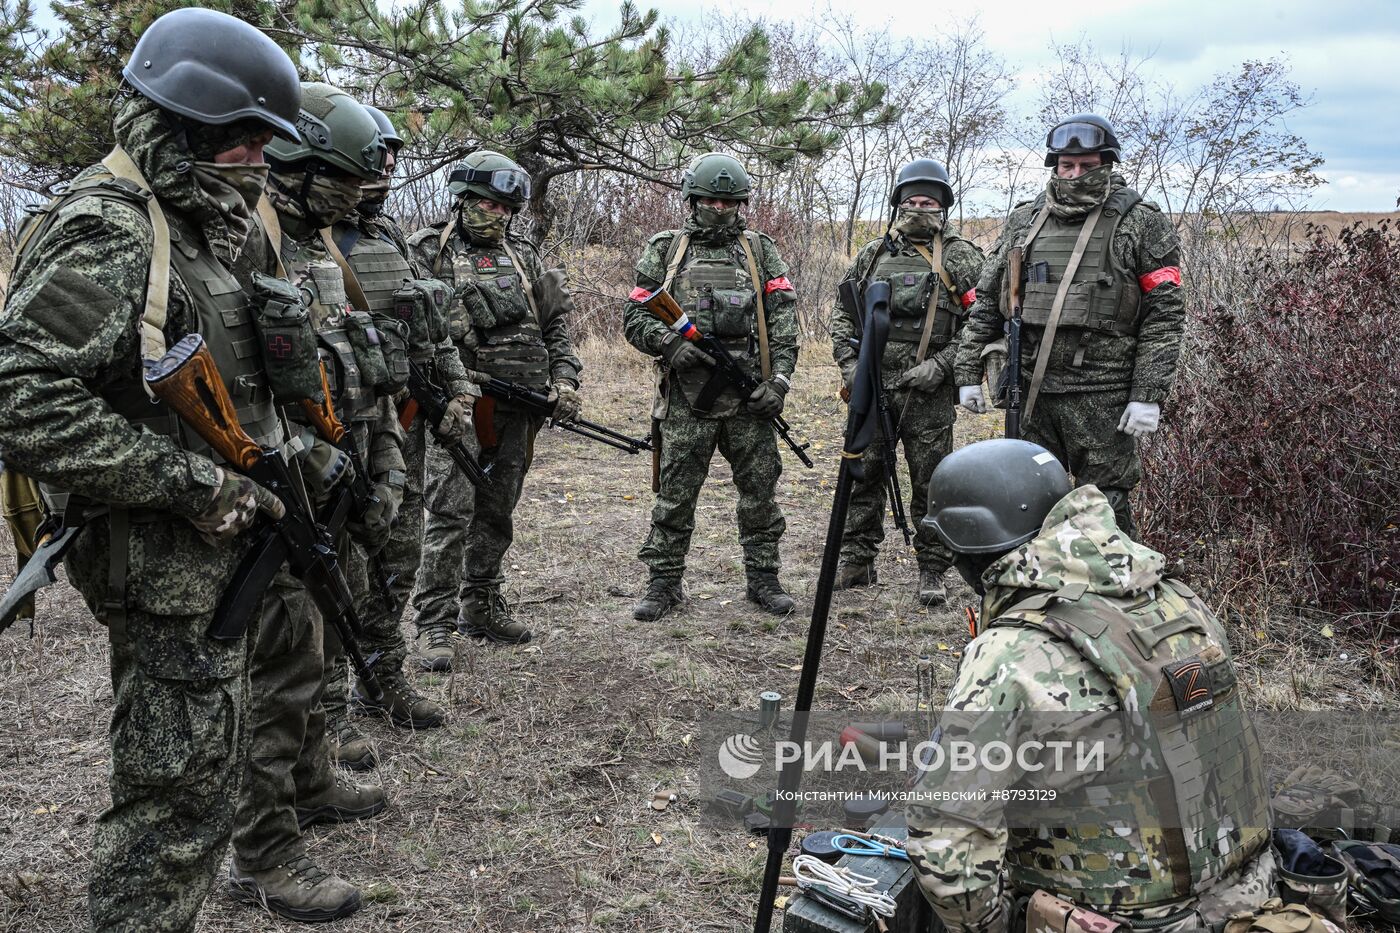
{"type": "Point", "coordinates": [713, 226]}
{"type": "Point", "coordinates": [1071, 198]}
{"type": "Point", "coordinates": [482, 226]}
{"type": "Point", "coordinates": [157, 143]}
{"type": "Point", "coordinates": [234, 188]}
{"type": "Point", "coordinates": [919, 224]}
{"type": "Point", "coordinates": [319, 202]}
{"type": "Point", "coordinates": [373, 194]}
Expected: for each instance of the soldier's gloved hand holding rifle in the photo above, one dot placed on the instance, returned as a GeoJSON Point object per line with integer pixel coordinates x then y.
{"type": "Point", "coordinates": [766, 401]}
{"type": "Point", "coordinates": [926, 377]}
{"type": "Point", "coordinates": [379, 515]}
{"type": "Point", "coordinates": [971, 398]}
{"type": "Point", "coordinates": [1140, 418]}
{"type": "Point", "coordinates": [323, 467]}
{"type": "Point", "coordinates": [456, 421]}
{"type": "Point", "coordinates": [566, 401]}
{"type": "Point", "coordinates": [682, 355]}
{"type": "Point", "coordinates": [234, 507]}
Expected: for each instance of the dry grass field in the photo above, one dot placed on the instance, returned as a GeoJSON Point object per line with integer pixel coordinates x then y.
{"type": "Point", "coordinates": [530, 810]}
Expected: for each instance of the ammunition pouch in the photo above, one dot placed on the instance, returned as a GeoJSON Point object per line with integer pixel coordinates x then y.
{"type": "Point", "coordinates": [286, 338]}
{"type": "Point", "coordinates": [369, 353]}
{"type": "Point", "coordinates": [1309, 876]}
{"type": "Point", "coordinates": [394, 343]}
{"type": "Point", "coordinates": [423, 305]}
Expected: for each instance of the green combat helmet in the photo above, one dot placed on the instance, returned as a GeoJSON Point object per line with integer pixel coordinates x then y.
{"type": "Point", "coordinates": [922, 177]}
{"type": "Point", "coordinates": [490, 175]}
{"type": "Point", "coordinates": [336, 131]}
{"type": "Point", "coordinates": [1082, 134]}
{"type": "Point", "coordinates": [392, 139]}
{"type": "Point", "coordinates": [215, 69]}
{"type": "Point", "coordinates": [715, 175]}
{"type": "Point", "coordinates": [992, 496]}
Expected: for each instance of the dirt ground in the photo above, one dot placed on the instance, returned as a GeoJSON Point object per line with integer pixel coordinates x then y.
{"type": "Point", "coordinates": [530, 810]}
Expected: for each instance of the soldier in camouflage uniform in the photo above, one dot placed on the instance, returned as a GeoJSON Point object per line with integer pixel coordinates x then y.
{"type": "Point", "coordinates": [409, 323]}
{"type": "Point", "coordinates": [1098, 354]}
{"type": "Point", "coordinates": [163, 522]}
{"type": "Point", "coordinates": [733, 285]}
{"type": "Point", "coordinates": [508, 318]}
{"type": "Point", "coordinates": [291, 784]}
{"type": "Point", "coordinates": [1081, 635]}
{"type": "Point", "coordinates": [933, 276]}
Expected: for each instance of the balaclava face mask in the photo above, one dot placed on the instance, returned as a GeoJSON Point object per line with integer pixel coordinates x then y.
{"type": "Point", "coordinates": [919, 224]}
{"type": "Point", "coordinates": [1074, 197]}
{"type": "Point", "coordinates": [319, 200]}
{"type": "Point", "coordinates": [483, 226]}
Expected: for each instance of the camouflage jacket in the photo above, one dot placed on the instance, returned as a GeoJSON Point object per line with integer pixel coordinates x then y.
{"type": "Point", "coordinates": [1006, 675]}
{"type": "Point", "coordinates": [1144, 363]}
{"type": "Point", "coordinates": [962, 260]}
{"type": "Point", "coordinates": [434, 259]}
{"type": "Point", "coordinates": [645, 332]}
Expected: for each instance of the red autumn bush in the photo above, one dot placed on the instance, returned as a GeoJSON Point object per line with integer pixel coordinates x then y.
{"type": "Point", "coordinates": [1277, 471]}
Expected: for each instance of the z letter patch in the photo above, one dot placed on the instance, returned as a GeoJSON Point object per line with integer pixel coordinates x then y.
{"type": "Point", "coordinates": [1191, 686]}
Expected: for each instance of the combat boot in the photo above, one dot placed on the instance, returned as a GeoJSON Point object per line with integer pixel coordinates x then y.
{"type": "Point", "coordinates": [436, 648]}
{"type": "Point", "coordinates": [849, 576]}
{"type": "Point", "coordinates": [298, 890]}
{"type": "Point", "coordinates": [342, 801]}
{"type": "Point", "coordinates": [404, 706]}
{"type": "Point", "coordinates": [349, 747]}
{"type": "Point", "coordinates": [662, 595]}
{"type": "Point", "coordinates": [932, 592]}
{"type": "Point", "coordinates": [768, 593]}
{"type": "Point", "coordinates": [485, 615]}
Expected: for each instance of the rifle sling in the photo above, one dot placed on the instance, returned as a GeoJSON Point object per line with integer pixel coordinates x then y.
{"type": "Point", "coordinates": [525, 283]}
{"type": "Point", "coordinates": [120, 164]}
{"type": "Point", "coordinates": [764, 362]}
{"type": "Point", "coordinates": [1047, 340]}
{"type": "Point", "coordinates": [935, 261]}
{"type": "Point", "coordinates": [272, 227]}
{"type": "Point", "coordinates": [352, 283]}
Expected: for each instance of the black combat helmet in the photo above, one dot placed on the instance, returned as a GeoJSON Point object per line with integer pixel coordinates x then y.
{"type": "Point", "coordinates": [215, 69]}
{"type": "Point", "coordinates": [392, 139]}
{"type": "Point", "coordinates": [925, 177]}
{"type": "Point", "coordinates": [1082, 134]}
{"type": "Point", "coordinates": [992, 496]}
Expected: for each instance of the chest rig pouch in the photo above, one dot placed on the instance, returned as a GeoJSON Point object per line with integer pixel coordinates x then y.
{"type": "Point", "coordinates": [422, 304]}
{"type": "Point", "coordinates": [718, 295]}
{"type": "Point", "coordinates": [1192, 764]}
{"type": "Point", "coordinates": [920, 297]}
{"type": "Point", "coordinates": [493, 291]}
{"type": "Point", "coordinates": [1102, 296]}
{"type": "Point", "coordinates": [324, 284]}
{"type": "Point", "coordinates": [287, 339]}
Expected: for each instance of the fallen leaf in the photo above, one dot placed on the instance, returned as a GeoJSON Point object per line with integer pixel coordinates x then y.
{"type": "Point", "coordinates": [943, 647]}
{"type": "Point", "coordinates": [1327, 632]}
{"type": "Point", "coordinates": [685, 739]}
{"type": "Point", "coordinates": [656, 838]}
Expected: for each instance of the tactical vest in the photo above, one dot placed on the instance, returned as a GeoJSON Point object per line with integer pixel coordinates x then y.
{"type": "Point", "coordinates": [222, 313]}
{"type": "Point", "coordinates": [1103, 296]}
{"type": "Point", "coordinates": [917, 292]}
{"type": "Point", "coordinates": [1190, 753]}
{"type": "Point", "coordinates": [379, 267]}
{"type": "Point", "coordinates": [516, 351]}
{"type": "Point", "coordinates": [321, 280]}
{"type": "Point", "coordinates": [713, 286]}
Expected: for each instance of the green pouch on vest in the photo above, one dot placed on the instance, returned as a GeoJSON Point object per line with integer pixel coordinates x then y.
{"type": "Point", "coordinates": [909, 293]}
{"type": "Point", "coordinates": [365, 341]}
{"type": "Point", "coordinates": [731, 309]}
{"type": "Point", "coordinates": [393, 342]}
{"type": "Point", "coordinates": [287, 339]}
{"type": "Point", "coordinates": [422, 304]}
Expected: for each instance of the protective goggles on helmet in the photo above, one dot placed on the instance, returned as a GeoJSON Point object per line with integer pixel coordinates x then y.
{"type": "Point", "coordinates": [510, 183]}
{"type": "Point", "coordinates": [1082, 136]}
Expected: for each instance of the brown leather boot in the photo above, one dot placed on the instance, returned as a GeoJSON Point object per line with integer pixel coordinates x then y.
{"type": "Point", "coordinates": [485, 615]}
{"type": "Point", "coordinates": [297, 889]}
{"type": "Point", "coordinates": [341, 801]}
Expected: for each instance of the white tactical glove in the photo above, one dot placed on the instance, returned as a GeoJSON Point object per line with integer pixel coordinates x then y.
{"type": "Point", "coordinates": [1140, 418]}
{"type": "Point", "coordinates": [970, 397]}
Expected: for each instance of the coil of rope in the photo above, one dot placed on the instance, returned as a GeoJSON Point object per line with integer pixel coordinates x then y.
{"type": "Point", "coordinates": [812, 873]}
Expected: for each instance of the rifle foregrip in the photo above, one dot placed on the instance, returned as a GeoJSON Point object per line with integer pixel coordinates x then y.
{"type": "Point", "coordinates": [1014, 259]}
{"type": "Point", "coordinates": [322, 413]}
{"type": "Point", "coordinates": [188, 381]}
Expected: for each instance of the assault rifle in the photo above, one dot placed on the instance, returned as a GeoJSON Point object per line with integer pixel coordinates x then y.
{"type": "Point", "coordinates": [187, 380]}
{"type": "Point", "coordinates": [433, 399]}
{"type": "Point", "coordinates": [889, 426]}
{"type": "Point", "coordinates": [361, 493]}
{"type": "Point", "coordinates": [663, 307]}
{"type": "Point", "coordinates": [537, 403]}
{"type": "Point", "coordinates": [1011, 375]}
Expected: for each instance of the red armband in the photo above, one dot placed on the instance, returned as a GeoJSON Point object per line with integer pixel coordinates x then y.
{"type": "Point", "coordinates": [639, 294]}
{"type": "Point", "coordinates": [780, 284]}
{"type": "Point", "coordinates": [969, 298]}
{"type": "Point", "coordinates": [1165, 274]}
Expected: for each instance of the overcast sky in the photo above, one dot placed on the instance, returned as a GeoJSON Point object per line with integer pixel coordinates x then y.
{"type": "Point", "coordinates": [1346, 53]}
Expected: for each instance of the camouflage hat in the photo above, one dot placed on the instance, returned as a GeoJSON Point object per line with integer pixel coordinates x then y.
{"type": "Point", "coordinates": [992, 496]}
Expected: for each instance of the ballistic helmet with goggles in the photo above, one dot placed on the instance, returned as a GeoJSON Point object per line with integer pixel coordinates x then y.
{"type": "Point", "coordinates": [992, 496]}
{"type": "Point", "coordinates": [715, 175]}
{"type": "Point", "coordinates": [490, 175]}
{"type": "Point", "coordinates": [337, 132]}
{"type": "Point", "coordinates": [215, 69]}
{"type": "Point", "coordinates": [1082, 134]}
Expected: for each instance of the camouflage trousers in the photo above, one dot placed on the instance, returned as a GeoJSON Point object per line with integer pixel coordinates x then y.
{"type": "Point", "coordinates": [688, 444]}
{"type": "Point", "coordinates": [289, 755]}
{"type": "Point", "coordinates": [1081, 430]}
{"type": "Point", "coordinates": [381, 632]}
{"type": "Point", "coordinates": [466, 535]}
{"type": "Point", "coordinates": [926, 432]}
{"type": "Point", "coordinates": [179, 730]}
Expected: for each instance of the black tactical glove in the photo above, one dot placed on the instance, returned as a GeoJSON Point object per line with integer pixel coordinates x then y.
{"type": "Point", "coordinates": [767, 400]}
{"type": "Point", "coordinates": [323, 466]}
{"type": "Point", "coordinates": [681, 354]}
